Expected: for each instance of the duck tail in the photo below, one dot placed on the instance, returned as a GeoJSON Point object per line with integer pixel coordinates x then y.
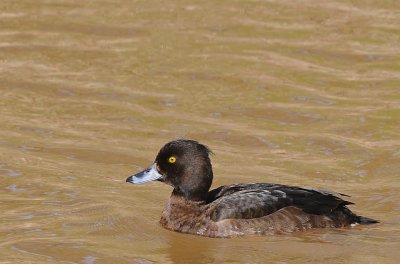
{"type": "Point", "coordinates": [366, 221]}
{"type": "Point", "coordinates": [357, 219]}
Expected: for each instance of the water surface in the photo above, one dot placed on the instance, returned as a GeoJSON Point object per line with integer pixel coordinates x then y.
{"type": "Point", "coordinates": [293, 92]}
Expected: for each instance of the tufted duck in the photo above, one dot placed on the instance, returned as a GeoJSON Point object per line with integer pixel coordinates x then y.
{"type": "Point", "coordinates": [237, 209]}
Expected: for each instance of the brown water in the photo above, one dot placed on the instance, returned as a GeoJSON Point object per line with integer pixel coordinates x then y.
{"type": "Point", "coordinates": [294, 92]}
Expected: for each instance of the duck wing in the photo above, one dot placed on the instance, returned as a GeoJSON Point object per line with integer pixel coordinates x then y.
{"type": "Point", "coordinates": [245, 201]}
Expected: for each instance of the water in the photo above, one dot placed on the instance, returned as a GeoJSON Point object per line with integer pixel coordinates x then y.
{"type": "Point", "coordinates": [302, 93]}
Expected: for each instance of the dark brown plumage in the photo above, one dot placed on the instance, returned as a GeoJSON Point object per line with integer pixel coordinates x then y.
{"type": "Point", "coordinates": [238, 209]}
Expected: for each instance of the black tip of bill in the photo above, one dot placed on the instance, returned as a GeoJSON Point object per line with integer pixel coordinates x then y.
{"type": "Point", "coordinates": [149, 174]}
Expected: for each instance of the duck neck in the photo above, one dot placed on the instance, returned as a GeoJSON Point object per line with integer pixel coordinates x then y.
{"type": "Point", "coordinates": [192, 196]}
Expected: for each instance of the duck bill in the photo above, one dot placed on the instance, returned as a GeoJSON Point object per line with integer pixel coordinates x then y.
{"type": "Point", "coordinates": [149, 174]}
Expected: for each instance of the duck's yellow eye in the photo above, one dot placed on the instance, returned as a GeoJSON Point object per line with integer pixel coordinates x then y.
{"type": "Point", "coordinates": [172, 159]}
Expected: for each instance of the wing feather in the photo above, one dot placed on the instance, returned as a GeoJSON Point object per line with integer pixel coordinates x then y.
{"type": "Point", "coordinates": [245, 201]}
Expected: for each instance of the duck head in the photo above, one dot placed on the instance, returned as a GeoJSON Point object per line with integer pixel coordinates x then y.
{"type": "Point", "coordinates": [183, 164]}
